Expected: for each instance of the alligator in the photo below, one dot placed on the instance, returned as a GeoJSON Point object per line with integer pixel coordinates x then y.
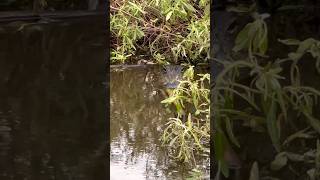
{"type": "Point", "coordinates": [172, 76]}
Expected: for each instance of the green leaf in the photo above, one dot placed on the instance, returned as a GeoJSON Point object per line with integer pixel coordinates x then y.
{"type": "Point", "coordinates": [173, 141]}
{"type": "Point", "coordinates": [169, 15]}
{"type": "Point", "coordinates": [289, 41]}
{"type": "Point", "coordinates": [281, 102]}
{"type": "Point", "coordinates": [189, 7]}
{"type": "Point", "coordinates": [315, 123]}
{"type": "Point", "coordinates": [299, 134]}
{"type": "Point", "coordinates": [273, 129]}
{"type": "Point", "coordinates": [257, 39]}
{"type": "Point", "coordinates": [242, 45]}
{"type": "Point", "coordinates": [263, 47]}
{"type": "Point", "coordinates": [137, 7]}
{"type": "Point", "coordinates": [280, 161]}
{"type": "Point", "coordinates": [305, 45]}
{"type": "Point", "coordinates": [170, 100]}
{"type": "Point", "coordinates": [219, 145]}
{"type": "Point", "coordinates": [189, 122]}
{"type": "Point", "coordinates": [295, 56]}
{"type": "Point", "coordinates": [295, 157]}
{"type": "Point", "coordinates": [242, 40]}
{"type": "Point", "coordinates": [230, 132]}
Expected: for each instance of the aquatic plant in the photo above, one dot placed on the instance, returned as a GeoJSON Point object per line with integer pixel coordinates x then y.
{"type": "Point", "coordinates": [272, 93]}
{"type": "Point", "coordinates": [161, 31]}
{"type": "Point", "coordinates": [186, 137]}
{"type": "Point", "coordinates": [254, 36]}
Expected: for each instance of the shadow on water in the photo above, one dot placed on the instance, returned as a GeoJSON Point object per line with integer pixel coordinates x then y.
{"type": "Point", "coordinates": [52, 116]}
{"type": "Point", "coordinates": [136, 125]}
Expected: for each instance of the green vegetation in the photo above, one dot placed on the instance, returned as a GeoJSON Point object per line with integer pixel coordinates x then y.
{"type": "Point", "coordinates": [170, 32]}
{"type": "Point", "coordinates": [269, 95]}
{"type": "Point", "coordinates": [188, 134]}
{"type": "Point", "coordinates": [159, 32]}
{"type": "Point", "coordinates": [184, 135]}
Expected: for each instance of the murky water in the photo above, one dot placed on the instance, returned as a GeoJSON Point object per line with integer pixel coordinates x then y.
{"type": "Point", "coordinates": [137, 122]}
{"type": "Point", "coordinates": [52, 114]}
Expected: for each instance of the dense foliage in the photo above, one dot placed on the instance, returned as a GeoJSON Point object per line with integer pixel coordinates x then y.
{"type": "Point", "coordinates": [269, 95]}
{"type": "Point", "coordinates": [188, 134]}
{"type": "Point", "coordinates": [159, 31]}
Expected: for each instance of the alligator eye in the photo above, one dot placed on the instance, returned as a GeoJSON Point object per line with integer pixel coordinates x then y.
{"type": "Point", "coordinates": [164, 68]}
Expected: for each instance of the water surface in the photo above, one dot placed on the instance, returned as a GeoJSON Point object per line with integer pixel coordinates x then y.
{"type": "Point", "coordinates": [52, 114]}
{"type": "Point", "coordinates": [137, 122]}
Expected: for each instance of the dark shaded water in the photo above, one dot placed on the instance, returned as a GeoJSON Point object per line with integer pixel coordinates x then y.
{"type": "Point", "coordinates": [137, 122]}
{"type": "Point", "coordinates": [52, 116]}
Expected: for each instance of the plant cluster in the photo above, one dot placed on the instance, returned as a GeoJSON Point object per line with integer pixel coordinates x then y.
{"type": "Point", "coordinates": [273, 96]}
{"type": "Point", "coordinates": [167, 31]}
{"type": "Point", "coordinates": [188, 134]}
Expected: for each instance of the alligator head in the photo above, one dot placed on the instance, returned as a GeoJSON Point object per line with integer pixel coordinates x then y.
{"type": "Point", "coordinates": [172, 76]}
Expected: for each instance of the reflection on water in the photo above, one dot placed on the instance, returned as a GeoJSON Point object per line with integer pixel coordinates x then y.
{"type": "Point", "coordinates": [137, 121]}
{"type": "Point", "coordinates": [52, 116]}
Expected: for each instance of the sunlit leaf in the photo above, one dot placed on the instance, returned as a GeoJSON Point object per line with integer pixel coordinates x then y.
{"type": "Point", "coordinates": [169, 15]}
{"type": "Point", "coordinates": [189, 7]}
